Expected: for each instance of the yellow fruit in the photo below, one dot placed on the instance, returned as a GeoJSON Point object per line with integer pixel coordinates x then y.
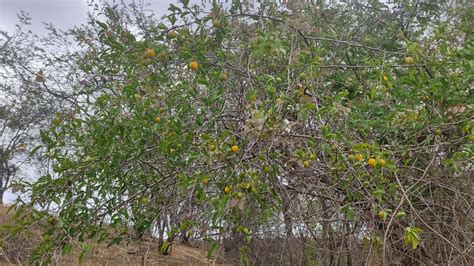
{"type": "Point", "coordinates": [312, 157]}
{"type": "Point", "coordinates": [352, 157]}
{"type": "Point", "coordinates": [157, 119]}
{"type": "Point", "coordinates": [253, 189]}
{"type": "Point", "coordinates": [194, 65]}
{"type": "Point", "coordinates": [223, 77]}
{"type": "Point", "coordinates": [306, 164]}
{"type": "Point", "coordinates": [382, 214]}
{"type": "Point", "coordinates": [320, 59]}
{"type": "Point", "coordinates": [244, 185]}
{"type": "Point", "coordinates": [227, 189]}
{"type": "Point", "coordinates": [240, 195]}
{"type": "Point", "coordinates": [150, 53]}
{"type": "Point", "coordinates": [385, 78]}
{"type": "Point", "coordinates": [144, 200]}
{"type": "Point", "coordinates": [382, 162]}
{"type": "Point", "coordinates": [171, 34]}
{"type": "Point", "coordinates": [245, 230]}
{"type": "Point", "coordinates": [205, 181]}
{"type": "Point", "coordinates": [409, 60]}
{"type": "Point", "coordinates": [137, 96]}
{"type": "Point", "coordinates": [212, 147]}
{"type": "Point", "coordinates": [371, 162]}
{"type": "Point", "coordinates": [266, 169]}
{"type": "Point", "coordinates": [471, 137]}
{"type": "Point", "coordinates": [359, 157]}
{"type": "Point", "coordinates": [216, 23]}
{"type": "Point", "coordinates": [179, 145]}
{"type": "Point", "coordinates": [234, 148]}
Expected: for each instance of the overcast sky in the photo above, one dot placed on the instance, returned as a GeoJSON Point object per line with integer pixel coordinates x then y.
{"type": "Point", "coordinates": [62, 13]}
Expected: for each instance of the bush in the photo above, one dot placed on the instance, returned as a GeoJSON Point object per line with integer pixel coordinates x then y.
{"type": "Point", "coordinates": [344, 127]}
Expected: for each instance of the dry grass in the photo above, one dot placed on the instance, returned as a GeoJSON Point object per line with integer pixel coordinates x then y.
{"type": "Point", "coordinates": [142, 254]}
{"type": "Point", "coordinates": [17, 249]}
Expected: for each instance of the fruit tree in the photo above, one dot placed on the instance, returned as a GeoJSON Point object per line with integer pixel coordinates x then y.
{"type": "Point", "coordinates": [343, 128]}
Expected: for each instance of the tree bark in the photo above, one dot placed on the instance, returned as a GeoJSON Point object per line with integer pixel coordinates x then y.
{"type": "Point", "coordinates": [1, 196]}
{"type": "Point", "coordinates": [327, 232]}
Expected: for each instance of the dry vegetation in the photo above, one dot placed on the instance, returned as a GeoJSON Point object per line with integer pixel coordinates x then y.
{"type": "Point", "coordinates": [283, 133]}
{"type": "Point", "coordinates": [15, 250]}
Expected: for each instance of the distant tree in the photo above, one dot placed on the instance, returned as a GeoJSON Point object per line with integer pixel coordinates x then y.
{"type": "Point", "coordinates": [31, 91]}
{"type": "Point", "coordinates": [12, 146]}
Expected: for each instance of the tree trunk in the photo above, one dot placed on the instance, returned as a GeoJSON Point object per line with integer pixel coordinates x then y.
{"type": "Point", "coordinates": [348, 244]}
{"type": "Point", "coordinates": [288, 226]}
{"type": "Point", "coordinates": [327, 233]}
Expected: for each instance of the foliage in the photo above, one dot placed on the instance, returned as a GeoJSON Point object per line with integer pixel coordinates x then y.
{"type": "Point", "coordinates": [308, 119]}
{"type": "Point", "coordinates": [26, 90]}
{"type": "Point", "coordinates": [411, 236]}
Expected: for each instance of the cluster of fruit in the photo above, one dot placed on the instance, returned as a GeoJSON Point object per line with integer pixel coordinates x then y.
{"type": "Point", "coordinates": [371, 162]}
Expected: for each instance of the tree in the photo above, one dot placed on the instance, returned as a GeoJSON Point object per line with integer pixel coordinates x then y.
{"type": "Point", "coordinates": [18, 110]}
{"type": "Point", "coordinates": [347, 125]}
{"type": "Point", "coordinates": [36, 83]}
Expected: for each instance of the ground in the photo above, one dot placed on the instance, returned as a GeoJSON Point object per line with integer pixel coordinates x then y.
{"type": "Point", "coordinates": [15, 251]}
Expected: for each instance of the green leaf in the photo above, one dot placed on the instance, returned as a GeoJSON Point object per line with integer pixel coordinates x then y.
{"type": "Point", "coordinates": [35, 149]}
{"type": "Point", "coordinates": [350, 213]}
{"type": "Point", "coordinates": [165, 247]}
{"type": "Point", "coordinates": [101, 24]}
{"type": "Point", "coordinates": [212, 249]}
{"type": "Point", "coordinates": [411, 236]}
{"type": "Point", "coordinates": [174, 8]}
{"type": "Point", "coordinates": [67, 249]}
{"type": "Point", "coordinates": [172, 19]}
{"type": "Point", "coordinates": [373, 92]}
{"type": "Point", "coordinates": [400, 215]}
{"type": "Point", "coordinates": [162, 26]}
{"type": "Point", "coordinates": [82, 256]}
{"type": "Point", "coordinates": [115, 241]}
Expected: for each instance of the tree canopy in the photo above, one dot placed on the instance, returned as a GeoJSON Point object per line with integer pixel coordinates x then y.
{"type": "Point", "coordinates": [344, 127]}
